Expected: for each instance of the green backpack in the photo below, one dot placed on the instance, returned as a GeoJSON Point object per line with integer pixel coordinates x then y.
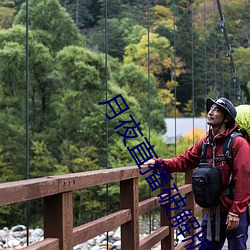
{"type": "Point", "coordinates": [243, 120]}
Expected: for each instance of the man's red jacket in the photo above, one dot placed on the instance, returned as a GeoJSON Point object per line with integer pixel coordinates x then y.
{"type": "Point", "coordinates": [241, 167]}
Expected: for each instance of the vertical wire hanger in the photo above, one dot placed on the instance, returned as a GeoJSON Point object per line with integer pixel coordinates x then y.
{"type": "Point", "coordinates": [205, 49]}
{"type": "Point", "coordinates": [175, 90]}
{"type": "Point", "coordinates": [27, 207]}
{"type": "Point", "coordinates": [149, 122]}
{"type": "Point", "coordinates": [106, 82]}
{"type": "Point", "coordinates": [148, 28]}
{"type": "Point", "coordinates": [192, 76]}
{"type": "Point", "coordinates": [77, 13]}
{"type": "Point", "coordinates": [174, 73]}
{"type": "Point", "coordinates": [215, 52]}
{"type": "Point", "coordinates": [221, 59]}
{"type": "Point", "coordinates": [222, 69]}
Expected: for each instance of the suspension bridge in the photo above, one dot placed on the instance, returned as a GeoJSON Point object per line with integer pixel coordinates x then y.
{"type": "Point", "coordinates": [56, 192]}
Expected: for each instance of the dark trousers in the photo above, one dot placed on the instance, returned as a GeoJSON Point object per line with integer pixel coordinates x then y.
{"type": "Point", "coordinates": [237, 238]}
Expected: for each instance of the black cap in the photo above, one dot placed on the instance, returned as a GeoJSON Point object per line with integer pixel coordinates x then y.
{"type": "Point", "coordinates": [223, 103]}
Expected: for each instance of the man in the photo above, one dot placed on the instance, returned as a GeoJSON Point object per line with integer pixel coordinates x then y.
{"type": "Point", "coordinates": [221, 115]}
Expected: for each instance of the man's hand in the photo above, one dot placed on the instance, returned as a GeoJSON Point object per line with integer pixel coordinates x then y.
{"type": "Point", "coordinates": [150, 162]}
{"type": "Point", "coordinates": [232, 222]}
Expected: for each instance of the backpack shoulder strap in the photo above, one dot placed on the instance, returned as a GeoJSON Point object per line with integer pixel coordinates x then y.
{"type": "Point", "coordinates": [203, 152]}
{"type": "Point", "coordinates": [227, 148]}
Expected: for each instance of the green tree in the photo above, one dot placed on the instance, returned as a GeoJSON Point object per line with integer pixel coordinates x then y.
{"type": "Point", "coordinates": [79, 73]}
{"type": "Point", "coordinates": [42, 163]}
{"type": "Point", "coordinates": [13, 148]}
{"type": "Point", "coordinates": [117, 31]}
{"type": "Point", "coordinates": [13, 60]}
{"type": "Point", "coordinates": [241, 56]}
{"type": "Point", "coordinates": [161, 16]}
{"type": "Point", "coordinates": [237, 21]}
{"type": "Point", "coordinates": [136, 82]}
{"type": "Point", "coordinates": [6, 17]}
{"type": "Point", "coordinates": [84, 13]}
{"type": "Point", "coordinates": [53, 25]}
{"type": "Point", "coordinates": [12, 108]}
{"type": "Point", "coordinates": [161, 57]}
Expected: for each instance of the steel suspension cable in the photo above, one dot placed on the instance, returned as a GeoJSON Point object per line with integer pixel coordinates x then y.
{"type": "Point", "coordinates": [174, 73]}
{"type": "Point", "coordinates": [229, 83]}
{"type": "Point", "coordinates": [106, 82]}
{"type": "Point", "coordinates": [229, 54]}
{"type": "Point", "coordinates": [27, 207]}
{"type": "Point", "coordinates": [175, 91]}
{"type": "Point", "coordinates": [148, 27]}
{"type": "Point", "coordinates": [149, 122]}
{"type": "Point", "coordinates": [192, 73]}
{"type": "Point", "coordinates": [215, 52]}
{"type": "Point", "coordinates": [205, 49]}
{"type": "Point", "coordinates": [221, 68]}
{"type": "Point", "coordinates": [77, 13]}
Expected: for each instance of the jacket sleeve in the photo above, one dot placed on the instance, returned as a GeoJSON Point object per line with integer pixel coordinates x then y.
{"type": "Point", "coordinates": [241, 175]}
{"type": "Point", "coordinates": [185, 162]}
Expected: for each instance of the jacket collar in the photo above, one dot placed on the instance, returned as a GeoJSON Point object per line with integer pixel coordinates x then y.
{"type": "Point", "coordinates": [221, 136]}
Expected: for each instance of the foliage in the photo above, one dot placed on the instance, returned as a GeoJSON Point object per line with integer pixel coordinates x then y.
{"type": "Point", "coordinates": [143, 87]}
{"type": "Point", "coordinates": [84, 13]}
{"type": "Point", "coordinates": [6, 17]}
{"type": "Point", "coordinates": [242, 63]}
{"type": "Point", "coordinates": [161, 16]}
{"type": "Point", "coordinates": [13, 149]}
{"type": "Point", "coordinates": [160, 53]}
{"type": "Point", "coordinates": [118, 31]}
{"type": "Point", "coordinates": [53, 25]}
{"type": "Point", "coordinates": [189, 139]}
{"type": "Point", "coordinates": [42, 163]}
{"type": "Point", "coordinates": [158, 59]}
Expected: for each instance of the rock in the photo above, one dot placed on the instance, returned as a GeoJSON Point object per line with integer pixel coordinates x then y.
{"type": "Point", "coordinates": [23, 240]}
{"type": "Point", "coordinates": [38, 232]}
{"type": "Point", "coordinates": [111, 240]}
{"type": "Point", "coordinates": [96, 248]}
{"type": "Point", "coordinates": [18, 247]}
{"type": "Point", "coordinates": [16, 238]}
{"type": "Point", "coordinates": [19, 234]}
{"type": "Point", "coordinates": [100, 238]}
{"type": "Point", "coordinates": [91, 242]}
{"type": "Point", "coordinates": [3, 233]}
{"type": "Point", "coordinates": [18, 228]}
{"type": "Point", "coordinates": [111, 233]}
{"type": "Point", "coordinates": [117, 235]}
{"type": "Point", "coordinates": [117, 245]}
{"type": "Point", "coordinates": [103, 243]}
{"type": "Point", "coordinates": [81, 246]}
{"type": "Point", "coordinates": [13, 243]}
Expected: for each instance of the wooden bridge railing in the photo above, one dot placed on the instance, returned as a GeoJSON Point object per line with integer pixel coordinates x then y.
{"type": "Point", "coordinates": [56, 192]}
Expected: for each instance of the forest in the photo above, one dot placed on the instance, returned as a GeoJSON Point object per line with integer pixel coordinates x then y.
{"type": "Point", "coordinates": [164, 57]}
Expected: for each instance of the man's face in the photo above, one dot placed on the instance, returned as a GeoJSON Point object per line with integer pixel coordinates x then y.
{"type": "Point", "coordinates": [215, 116]}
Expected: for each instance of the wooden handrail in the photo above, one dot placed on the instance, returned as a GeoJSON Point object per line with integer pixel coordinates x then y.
{"type": "Point", "coordinates": [58, 208]}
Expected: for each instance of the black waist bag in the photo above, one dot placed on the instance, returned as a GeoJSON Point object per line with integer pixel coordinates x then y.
{"type": "Point", "coordinates": [206, 182]}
